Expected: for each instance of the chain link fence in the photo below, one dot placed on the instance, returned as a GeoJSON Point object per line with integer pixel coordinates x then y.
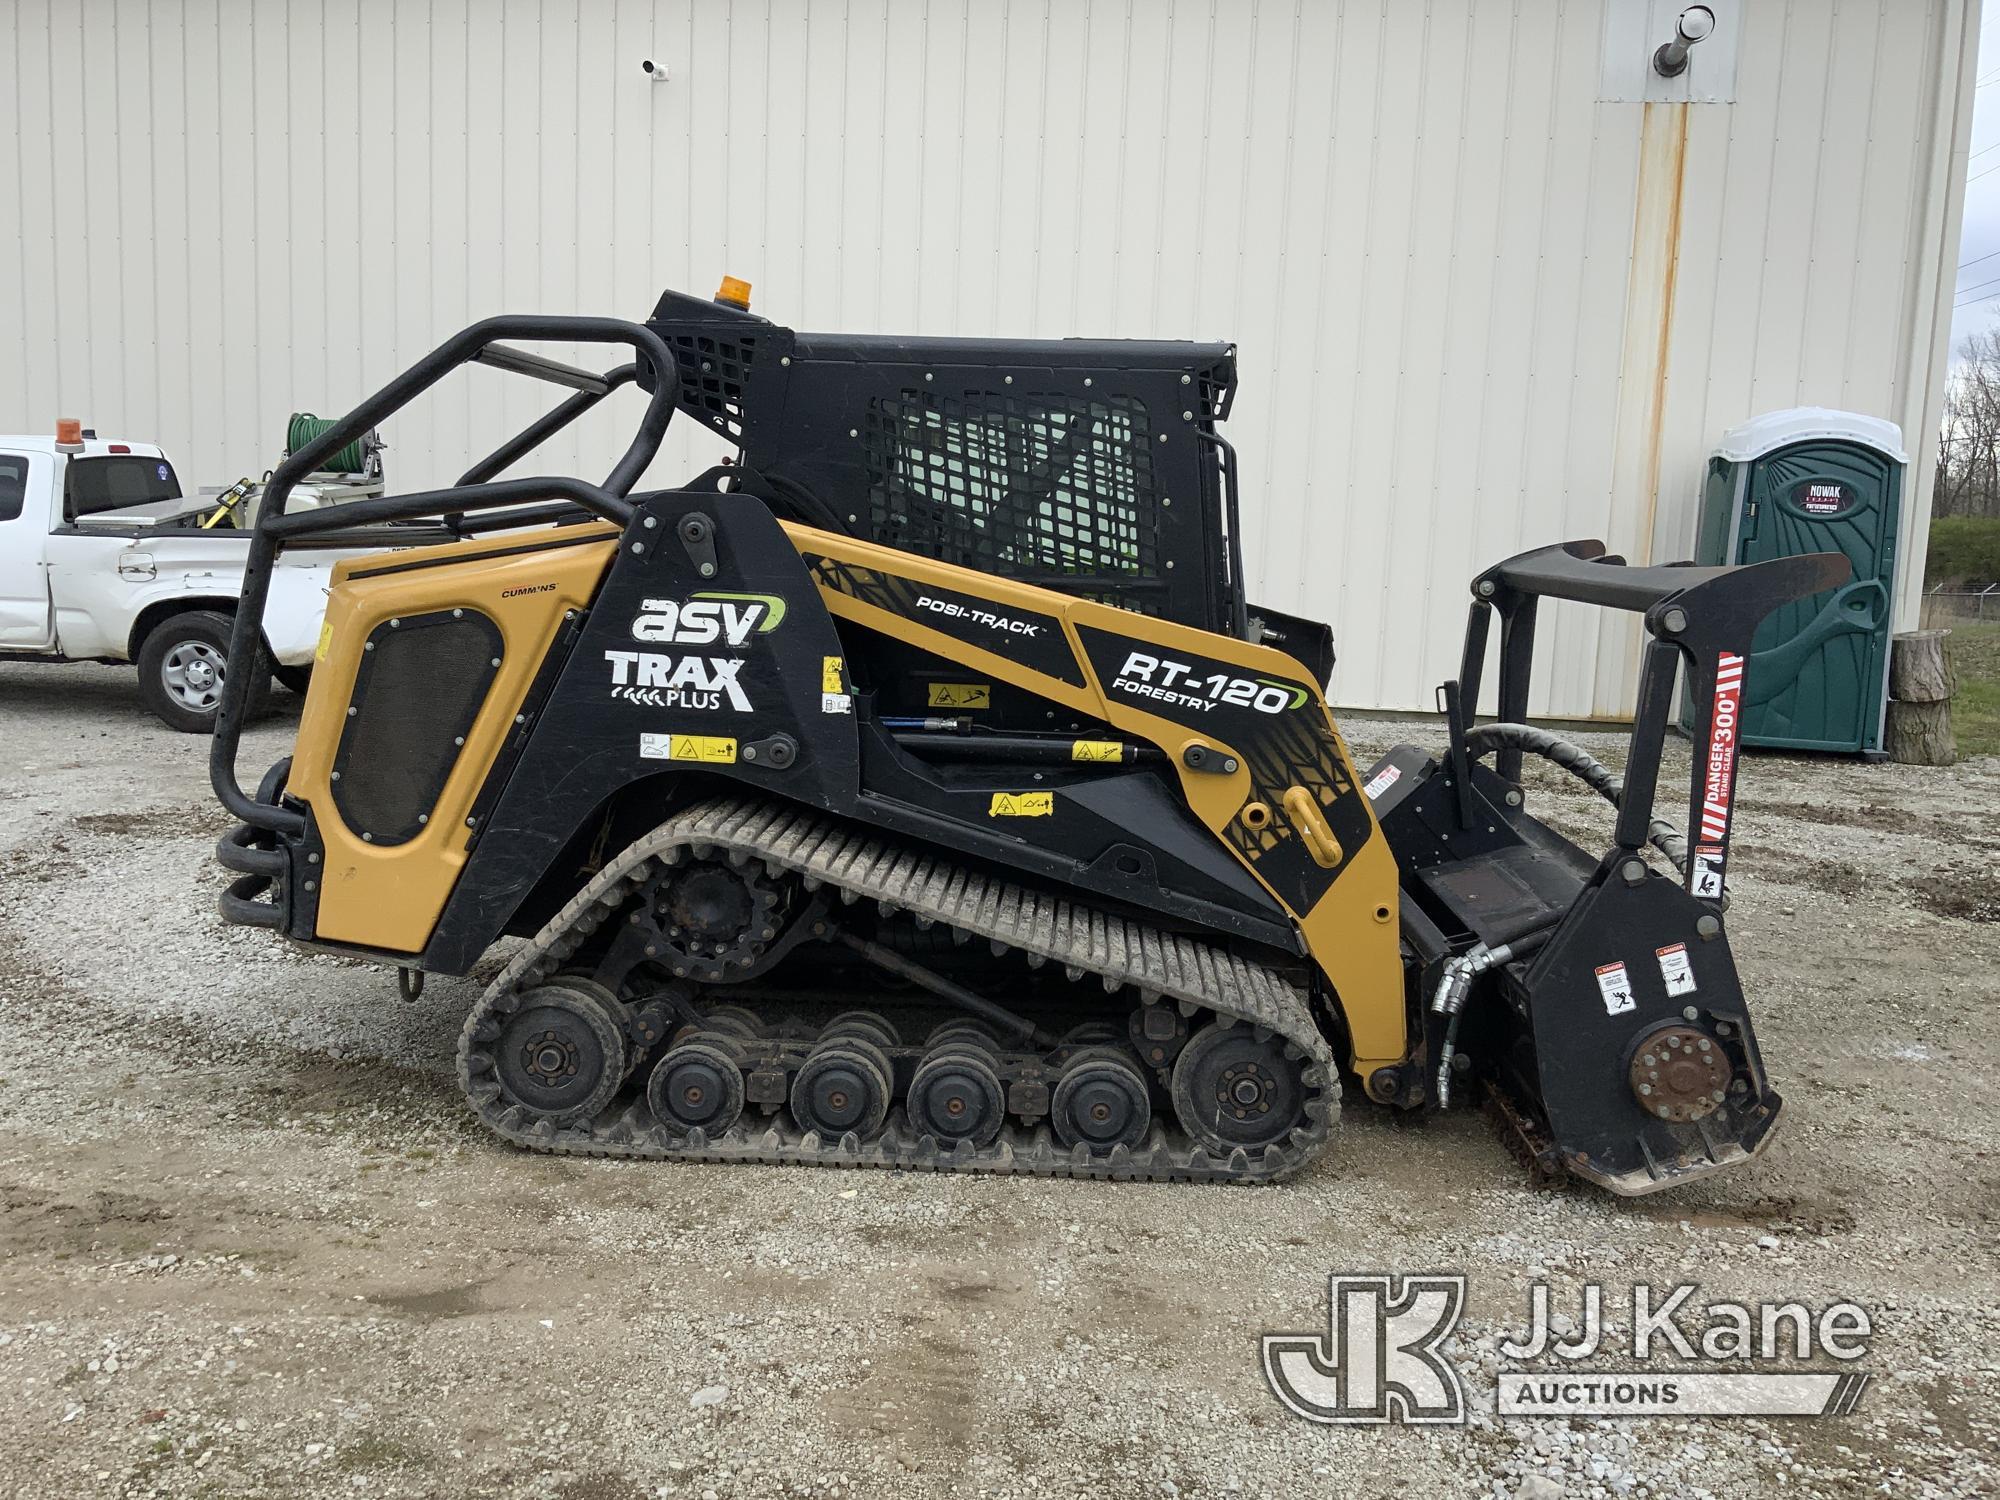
{"type": "Point", "coordinates": [1973, 618]}
{"type": "Point", "coordinates": [1944, 608]}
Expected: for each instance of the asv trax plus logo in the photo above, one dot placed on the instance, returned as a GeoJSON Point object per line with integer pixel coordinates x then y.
{"type": "Point", "coordinates": [702, 683]}
{"type": "Point", "coordinates": [697, 682]}
{"type": "Point", "coordinates": [707, 618]}
{"type": "Point", "coordinates": [1378, 1361]}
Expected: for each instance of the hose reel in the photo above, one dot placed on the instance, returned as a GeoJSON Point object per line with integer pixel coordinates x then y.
{"type": "Point", "coordinates": [362, 456]}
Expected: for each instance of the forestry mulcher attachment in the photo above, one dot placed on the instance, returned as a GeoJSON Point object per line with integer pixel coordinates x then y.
{"type": "Point", "coordinates": [920, 789]}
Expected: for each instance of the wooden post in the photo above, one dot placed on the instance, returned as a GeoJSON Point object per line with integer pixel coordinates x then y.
{"type": "Point", "coordinates": [1920, 688]}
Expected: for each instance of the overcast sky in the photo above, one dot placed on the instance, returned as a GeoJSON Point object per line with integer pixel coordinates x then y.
{"type": "Point", "coordinates": [1979, 247]}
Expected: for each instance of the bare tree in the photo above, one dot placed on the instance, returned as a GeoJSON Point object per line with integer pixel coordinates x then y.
{"type": "Point", "coordinates": [1968, 471]}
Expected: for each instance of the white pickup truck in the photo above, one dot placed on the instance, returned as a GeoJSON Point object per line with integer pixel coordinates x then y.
{"type": "Point", "coordinates": [103, 559]}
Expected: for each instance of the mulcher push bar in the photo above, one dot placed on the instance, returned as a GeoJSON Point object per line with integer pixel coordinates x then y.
{"type": "Point", "coordinates": [480, 343]}
{"type": "Point", "coordinates": [1706, 616]}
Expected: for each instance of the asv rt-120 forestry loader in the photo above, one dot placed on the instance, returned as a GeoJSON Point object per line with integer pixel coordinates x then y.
{"type": "Point", "coordinates": [921, 789]}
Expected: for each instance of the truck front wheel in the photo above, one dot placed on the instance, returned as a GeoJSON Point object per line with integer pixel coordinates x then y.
{"type": "Point", "coordinates": [183, 666]}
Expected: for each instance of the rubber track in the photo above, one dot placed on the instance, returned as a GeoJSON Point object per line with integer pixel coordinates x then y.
{"type": "Point", "coordinates": [1164, 968]}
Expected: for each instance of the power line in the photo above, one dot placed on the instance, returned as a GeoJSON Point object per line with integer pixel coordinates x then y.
{"type": "Point", "coordinates": [1968, 291]}
{"type": "Point", "coordinates": [1987, 173]}
{"type": "Point", "coordinates": [1973, 301]}
{"type": "Point", "coordinates": [1965, 265]}
{"type": "Point", "coordinates": [1982, 286]}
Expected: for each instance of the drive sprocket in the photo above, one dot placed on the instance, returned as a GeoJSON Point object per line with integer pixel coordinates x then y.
{"type": "Point", "coordinates": [714, 919]}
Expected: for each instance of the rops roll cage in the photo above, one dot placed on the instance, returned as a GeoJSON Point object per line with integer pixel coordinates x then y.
{"type": "Point", "coordinates": [360, 523]}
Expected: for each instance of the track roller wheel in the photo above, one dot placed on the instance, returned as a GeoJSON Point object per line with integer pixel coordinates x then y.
{"type": "Point", "coordinates": [728, 1020]}
{"type": "Point", "coordinates": [1092, 1034]}
{"type": "Point", "coordinates": [862, 1025]}
{"type": "Point", "coordinates": [1234, 1087]}
{"type": "Point", "coordinates": [586, 985]}
{"type": "Point", "coordinates": [696, 1085]}
{"type": "Point", "coordinates": [734, 1019]}
{"type": "Point", "coordinates": [583, 984]}
{"type": "Point", "coordinates": [948, 1033]}
{"type": "Point", "coordinates": [561, 1055]}
{"type": "Point", "coordinates": [841, 1088]}
{"type": "Point", "coordinates": [956, 1095]}
{"type": "Point", "coordinates": [1101, 1101]}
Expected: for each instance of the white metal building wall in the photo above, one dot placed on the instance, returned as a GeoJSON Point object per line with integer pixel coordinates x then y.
{"type": "Point", "coordinates": [1451, 273]}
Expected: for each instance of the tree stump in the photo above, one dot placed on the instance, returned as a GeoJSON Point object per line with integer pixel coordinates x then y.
{"type": "Point", "coordinates": [1920, 667]}
{"type": "Point", "coordinates": [1920, 688]}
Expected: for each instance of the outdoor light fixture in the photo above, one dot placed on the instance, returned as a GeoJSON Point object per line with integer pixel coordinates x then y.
{"type": "Point", "coordinates": [1696, 23]}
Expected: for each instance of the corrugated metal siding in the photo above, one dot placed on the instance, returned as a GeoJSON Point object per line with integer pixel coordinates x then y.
{"type": "Point", "coordinates": [1416, 220]}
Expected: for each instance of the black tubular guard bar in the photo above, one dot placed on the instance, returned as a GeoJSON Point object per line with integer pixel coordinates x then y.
{"type": "Point", "coordinates": [275, 528]}
{"type": "Point", "coordinates": [1703, 616]}
{"type": "Point", "coordinates": [1239, 605]}
{"type": "Point", "coordinates": [538, 432]}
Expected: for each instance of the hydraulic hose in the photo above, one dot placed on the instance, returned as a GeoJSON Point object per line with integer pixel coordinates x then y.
{"type": "Point", "coordinates": [1581, 764]}
{"type": "Point", "coordinates": [1455, 983]}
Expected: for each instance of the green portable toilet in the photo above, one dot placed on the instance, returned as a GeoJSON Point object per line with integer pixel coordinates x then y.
{"type": "Point", "coordinates": [1812, 480]}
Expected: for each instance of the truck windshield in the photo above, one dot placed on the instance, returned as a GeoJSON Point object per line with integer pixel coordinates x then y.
{"type": "Point", "coordinates": [114, 481]}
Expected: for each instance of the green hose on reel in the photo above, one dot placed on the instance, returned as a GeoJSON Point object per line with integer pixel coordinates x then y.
{"type": "Point", "coordinates": [305, 427]}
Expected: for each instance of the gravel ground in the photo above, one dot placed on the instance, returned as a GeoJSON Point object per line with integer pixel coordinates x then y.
{"type": "Point", "coordinates": [251, 1244]}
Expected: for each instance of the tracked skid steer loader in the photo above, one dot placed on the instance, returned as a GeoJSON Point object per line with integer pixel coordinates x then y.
{"type": "Point", "coordinates": [921, 789]}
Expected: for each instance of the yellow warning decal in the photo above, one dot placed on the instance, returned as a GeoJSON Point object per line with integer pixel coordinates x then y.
{"type": "Point", "coordinates": [325, 641]}
{"type": "Point", "coordinates": [713, 749]}
{"type": "Point", "coordinates": [829, 675]}
{"type": "Point", "coordinates": [1022, 805]}
{"type": "Point", "coordinates": [961, 695]}
{"type": "Point", "coordinates": [1112, 750]}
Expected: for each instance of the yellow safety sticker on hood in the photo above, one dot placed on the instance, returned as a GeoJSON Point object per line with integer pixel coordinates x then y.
{"type": "Point", "coordinates": [1113, 750]}
{"type": "Point", "coordinates": [1022, 805]}
{"type": "Point", "coordinates": [961, 695]}
{"type": "Point", "coordinates": [829, 675]}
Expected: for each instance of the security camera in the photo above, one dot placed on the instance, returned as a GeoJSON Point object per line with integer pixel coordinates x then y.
{"type": "Point", "coordinates": [655, 71]}
{"type": "Point", "coordinates": [1697, 23]}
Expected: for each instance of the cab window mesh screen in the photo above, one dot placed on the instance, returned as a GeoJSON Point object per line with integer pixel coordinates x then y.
{"type": "Point", "coordinates": [713, 372]}
{"type": "Point", "coordinates": [1046, 487]}
{"type": "Point", "coordinates": [419, 690]}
